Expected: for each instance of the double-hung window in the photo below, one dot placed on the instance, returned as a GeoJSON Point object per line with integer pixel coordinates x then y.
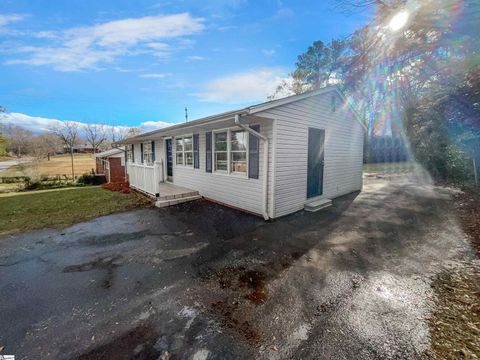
{"type": "Point", "coordinates": [184, 150]}
{"type": "Point", "coordinates": [129, 154]}
{"type": "Point", "coordinates": [220, 150]}
{"type": "Point", "coordinates": [238, 151]}
{"type": "Point", "coordinates": [148, 153]}
{"type": "Point", "coordinates": [230, 148]}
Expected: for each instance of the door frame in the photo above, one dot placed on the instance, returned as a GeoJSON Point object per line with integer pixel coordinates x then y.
{"type": "Point", "coordinates": [165, 156]}
{"type": "Point", "coordinates": [323, 165]}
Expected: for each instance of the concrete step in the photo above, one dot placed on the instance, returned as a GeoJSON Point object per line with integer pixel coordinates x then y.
{"type": "Point", "coordinates": [317, 205]}
{"type": "Point", "coordinates": [165, 203]}
{"type": "Point", "coordinates": [177, 196]}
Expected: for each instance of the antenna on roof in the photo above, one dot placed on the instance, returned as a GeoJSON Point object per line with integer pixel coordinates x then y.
{"type": "Point", "coordinates": [186, 114]}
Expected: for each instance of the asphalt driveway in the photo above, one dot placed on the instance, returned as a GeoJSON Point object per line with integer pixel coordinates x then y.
{"type": "Point", "coordinates": [200, 281]}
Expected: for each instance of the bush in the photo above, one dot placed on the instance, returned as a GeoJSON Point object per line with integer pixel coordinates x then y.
{"type": "Point", "coordinates": [49, 184]}
{"type": "Point", "coordinates": [14, 179]}
{"type": "Point", "coordinates": [91, 179]}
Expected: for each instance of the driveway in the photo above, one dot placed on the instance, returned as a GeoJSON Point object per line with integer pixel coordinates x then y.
{"type": "Point", "coordinates": [200, 281]}
{"type": "Point", "coordinates": [4, 165]}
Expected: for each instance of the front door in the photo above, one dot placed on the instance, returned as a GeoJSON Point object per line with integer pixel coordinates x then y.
{"type": "Point", "coordinates": [316, 140]}
{"type": "Point", "coordinates": [168, 145]}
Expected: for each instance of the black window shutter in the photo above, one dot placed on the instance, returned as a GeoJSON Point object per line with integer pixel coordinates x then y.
{"type": "Point", "coordinates": [153, 151]}
{"type": "Point", "coordinates": [141, 153]}
{"type": "Point", "coordinates": [196, 153]}
{"type": "Point", "coordinates": [253, 153]}
{"type": "Point", "coordinates": [133, 153]}
{"type": "Point", "coordinates": [208, 152]}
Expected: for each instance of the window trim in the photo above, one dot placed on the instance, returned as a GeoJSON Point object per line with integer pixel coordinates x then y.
{"type": "Point", "coordinates": [183, 151]}
{"type": "Point", "coordinates": [228, 172]}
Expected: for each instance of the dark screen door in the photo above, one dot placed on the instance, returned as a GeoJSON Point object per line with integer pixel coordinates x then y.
{"type": "Point", "coordinates": [168, 144]}
{"type": "Point", "coordinates": [316, 139]}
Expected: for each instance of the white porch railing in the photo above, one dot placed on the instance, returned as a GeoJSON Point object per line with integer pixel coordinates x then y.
{"type": "Point", "coordinates": [146, 178]}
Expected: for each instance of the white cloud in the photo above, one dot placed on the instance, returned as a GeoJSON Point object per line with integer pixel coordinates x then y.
{"type": "Point", "coordinates": [11, 18]}
{"type": "Point", "coordinates": [244, 87]}
{"type": "Point", "coordinates": [90, 47]}
{"type": "Point", "coordinates": [155, 76]}
{"type": "Point", "coordinates": [7, 19]}
{"type": "Point", "coordinates": [40, 124]}
{"type": "Point", "coordinates": [154, 125]}
{"type": "Point", "coordinates": [195, 58]}
{"type": "Point", "coordinates": [268, 52]}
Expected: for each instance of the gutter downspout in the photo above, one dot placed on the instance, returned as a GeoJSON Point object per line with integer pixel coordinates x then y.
{"type": "Point", "coordinates": [264, 139]}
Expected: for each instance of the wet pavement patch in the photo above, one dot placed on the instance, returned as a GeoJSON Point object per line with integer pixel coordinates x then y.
{"type": "Point", "coordinates": [108, 264]}
{"type": "Point", "coordinates": [138, 344]}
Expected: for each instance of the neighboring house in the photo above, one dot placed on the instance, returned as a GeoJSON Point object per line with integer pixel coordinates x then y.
{"type": "Point", "coordinates": [81, 148]}
{"type": "Point", "coordinates": [111, 163]}
{"type": "Point", "coordinates": [270, 159]}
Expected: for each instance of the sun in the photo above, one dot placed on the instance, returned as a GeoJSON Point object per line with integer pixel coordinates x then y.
{"type": "Point", "coordinates": [398, 21]}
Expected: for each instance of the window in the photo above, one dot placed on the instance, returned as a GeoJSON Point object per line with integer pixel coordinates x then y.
{"type": "Point", "coordinates": [184, 151]}
{"type": "Point", "coordinates": [148, 153]}
{"type": "Point", "coordinates": [129, 154]}
{"type": "Point", "coordinates": [220, 150]}
{"type": "Point", "coordinates": [179, 151]}
{"type": "Point", "coordinates": [188, 150]}
{"type": "Point", "coordinates": [238, 151]}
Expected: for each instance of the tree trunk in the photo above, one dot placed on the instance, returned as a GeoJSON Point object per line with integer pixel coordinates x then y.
{"type": "Point", "coordinates": [73, 171]}
{"type": "Point", "coordinates": [48, 156]}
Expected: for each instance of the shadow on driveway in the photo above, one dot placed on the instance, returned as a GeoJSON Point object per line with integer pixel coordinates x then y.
{"type": "Point", "coordinates": [203, 281]}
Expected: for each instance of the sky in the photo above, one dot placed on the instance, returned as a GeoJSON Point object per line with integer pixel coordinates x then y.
{"type": "Point", "coordinates": [139, 63]}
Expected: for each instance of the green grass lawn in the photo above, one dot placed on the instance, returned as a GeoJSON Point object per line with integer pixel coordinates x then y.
{"type": "Point", "coordinates": [60, 208]}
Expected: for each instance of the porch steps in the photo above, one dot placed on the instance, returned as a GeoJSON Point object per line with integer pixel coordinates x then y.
{"type": "Point", "coordinates": [177, 199]}
{"type": "Point", "coordinates": [177, 195]}
{"type": "Point", "coordinates": [317, 205]}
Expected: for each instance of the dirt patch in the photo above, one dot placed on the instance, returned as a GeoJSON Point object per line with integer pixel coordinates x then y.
{"type": "Point", "coordinates": [231, 317]}
{"type": "Point", "coordinates": [122, 187]}
{"type": "Point", "coordinates": [136, 344]}
{"type": "Point", "coordinates": [455, 324]}
{"type": "Point", "coordinates": [254, 280]}
{"type": "Point", "coordinates": [467, 204]}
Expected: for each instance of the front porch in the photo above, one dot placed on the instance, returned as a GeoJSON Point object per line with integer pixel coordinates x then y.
{"type": "Point", "coordinates": [149, 179]}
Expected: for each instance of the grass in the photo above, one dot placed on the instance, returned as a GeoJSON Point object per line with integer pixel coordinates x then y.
{"type": "Point", "coordinates": [389, 168]}
{"type": "Point", "coordinates": [60, 208]}
{"type": "Point", "coordinates": [58, 165]}
{"type": "Point", "coordinates": [8, 188]}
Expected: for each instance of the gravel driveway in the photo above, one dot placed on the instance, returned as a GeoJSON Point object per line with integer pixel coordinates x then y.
{"type": "Point", "coordinates": [200, 281]}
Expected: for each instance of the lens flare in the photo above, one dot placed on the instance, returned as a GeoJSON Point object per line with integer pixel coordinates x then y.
{"type": "Point", "coordinates": [398, 21]}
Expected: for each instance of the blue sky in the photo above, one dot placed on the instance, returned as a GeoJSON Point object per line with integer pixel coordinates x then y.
{"type": "Point", "coordinates": [137, 62]}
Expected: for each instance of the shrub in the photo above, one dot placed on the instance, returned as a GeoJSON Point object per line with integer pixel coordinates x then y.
{"type": "Point", "coordinates": [91, 179]}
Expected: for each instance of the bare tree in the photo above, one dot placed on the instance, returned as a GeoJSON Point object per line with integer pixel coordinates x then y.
{"type": "Point", "coordinates": [119, 133]}
{"type": "Point", "coordinates": [95, 135]}
{"type": "Point", "coordinates": [19, 139]}
{"type": "Point", "coordinates": [67, 133]}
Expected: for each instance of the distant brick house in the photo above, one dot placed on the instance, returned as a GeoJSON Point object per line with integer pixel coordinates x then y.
{"type": "Point", "coordinates": [111, 163]}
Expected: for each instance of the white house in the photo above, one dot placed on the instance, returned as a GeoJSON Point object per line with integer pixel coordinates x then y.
{"type": "Point", "coordinates": [270, 159]}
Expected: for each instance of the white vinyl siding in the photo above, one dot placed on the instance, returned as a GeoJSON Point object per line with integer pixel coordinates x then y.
{"type": "Point", "coordinates": [237, 191]}
{"type": "Point", "coordinates": [343, 150]}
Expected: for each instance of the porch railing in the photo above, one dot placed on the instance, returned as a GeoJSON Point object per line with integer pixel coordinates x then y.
{"type": "Point", "coordinates": [145, 177]}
